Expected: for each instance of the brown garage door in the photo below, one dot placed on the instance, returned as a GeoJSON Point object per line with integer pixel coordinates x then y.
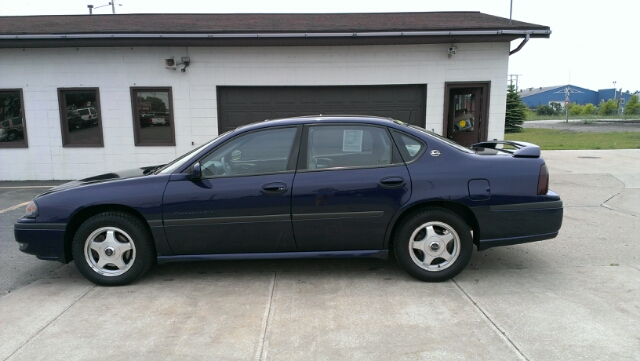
{"type": "Point", "coordinates": [243, 105]}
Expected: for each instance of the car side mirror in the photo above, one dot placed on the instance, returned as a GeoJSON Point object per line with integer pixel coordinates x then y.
{"type": "Point", "coordinates": [197, 171]}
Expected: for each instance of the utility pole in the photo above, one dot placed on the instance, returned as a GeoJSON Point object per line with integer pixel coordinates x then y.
{"type": "Point", "coordinates": [510, 13]}
{"type": "Point", "coordinates": [112, 3]}
{"type": "Point", "coordinates": [511, 76]}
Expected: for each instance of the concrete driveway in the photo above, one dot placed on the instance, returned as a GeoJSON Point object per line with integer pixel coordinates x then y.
{"type": "Point", "coordinates": [574, 297]}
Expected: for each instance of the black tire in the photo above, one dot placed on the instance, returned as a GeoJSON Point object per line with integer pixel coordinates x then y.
{"type": "Point", "coordinates": [13, 135]}
{"type": "Point", "coordinates": [433, 245]}
{"type": "Point", "coordinates": [113, 249]}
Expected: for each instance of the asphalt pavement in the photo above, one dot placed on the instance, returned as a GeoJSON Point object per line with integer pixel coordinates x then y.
{"type": "Point", "coordinates": [570, 298]}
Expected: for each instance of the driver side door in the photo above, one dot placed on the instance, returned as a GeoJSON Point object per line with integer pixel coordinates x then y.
{"type": "Point", "coordinates": [242, 203]}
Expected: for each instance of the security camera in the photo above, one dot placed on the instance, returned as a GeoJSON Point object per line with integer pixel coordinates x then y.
{"type": "Point", "coordinates": [170, 63]}
{"type": "Point", "coordinates": [185, 61]}
{"type": "Point", "coordinates": [452, 50]}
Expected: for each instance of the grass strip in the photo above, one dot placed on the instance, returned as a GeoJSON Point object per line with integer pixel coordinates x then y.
{"type": "Point", "coordinates": [553, 139]}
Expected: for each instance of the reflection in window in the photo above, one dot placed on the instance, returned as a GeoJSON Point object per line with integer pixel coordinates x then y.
{"type": "Point", "coordinates": [410, 147]}
{"type": "Point", "coordinates": [260, 152]}
{"type": "Point", "coordinates": [464, 107]}
{"type": "Point", "coordinates": [80, 117]}
{"type": "Point", "coordinates": [347, 146]}
{"type": "Point", "coordinates": [153, 116]}
{"type": "Point", "coordinates": [12, 124]}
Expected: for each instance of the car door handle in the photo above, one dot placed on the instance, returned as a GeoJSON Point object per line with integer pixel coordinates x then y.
{"type": "Point", "coordinates": [274, 188]}
{"type": "Point", "coordinates": [392, 182]}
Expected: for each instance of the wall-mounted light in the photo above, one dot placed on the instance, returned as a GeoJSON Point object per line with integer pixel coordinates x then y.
{"type": "Point", "coordinates": [452, 50]}
{"type": "Point", "coordinates": [170, 63]}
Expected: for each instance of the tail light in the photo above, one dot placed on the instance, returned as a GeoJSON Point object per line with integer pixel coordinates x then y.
{"type": "Point", "coordinates": [543, 180]}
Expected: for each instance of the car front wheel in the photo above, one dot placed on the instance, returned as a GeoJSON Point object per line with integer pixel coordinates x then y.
{"type": "Point", "coordinates": [113, 249]}
{"type": "Point", "coordinates": [434, 245]}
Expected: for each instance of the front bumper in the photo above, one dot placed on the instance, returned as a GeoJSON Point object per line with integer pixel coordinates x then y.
{"type": "Point", "coordinates": [44, 240]}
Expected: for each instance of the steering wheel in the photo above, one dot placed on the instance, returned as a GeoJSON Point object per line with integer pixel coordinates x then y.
{"type": "Point", "coordinates": [225, 166]}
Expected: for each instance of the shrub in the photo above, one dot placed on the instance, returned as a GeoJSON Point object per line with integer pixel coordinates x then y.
{"type": "Point", "coordinates": [545, 110]}
{"type": "Point", "coordinates": [633, 106]}
{"type": "Point", "coordinates": [609, 107]}
{"type": "Point", "coordinates": [576, 109]}
{"type": "Point", "coordinates": [589, 109]}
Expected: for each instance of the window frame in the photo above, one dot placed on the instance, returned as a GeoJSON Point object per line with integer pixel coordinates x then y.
{"type": "Point", "coordinates": [404, 152]}
{"type": "Point", "coordinates": [64, 128]}
{"type": "Point", "coordinates": [291, 162]}
{"type": "Point", "coordinates": [396, 158]}
{"type": "Point", "coordinates": [136, 116]}
{"type": "Point", "coordinates": [25, 143]}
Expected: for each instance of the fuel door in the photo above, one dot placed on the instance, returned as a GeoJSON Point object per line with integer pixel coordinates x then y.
{"type": "Point", "coordinates": [479, 189]}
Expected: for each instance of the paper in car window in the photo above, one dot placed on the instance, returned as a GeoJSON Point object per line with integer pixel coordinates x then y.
{"type": "Point", "coordinates": [352, 141]}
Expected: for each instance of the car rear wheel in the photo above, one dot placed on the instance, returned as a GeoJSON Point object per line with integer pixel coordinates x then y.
{"type": "Point", "coordinates": [434, 245]}
{"type": "Point", "coordinates": [113, 249]}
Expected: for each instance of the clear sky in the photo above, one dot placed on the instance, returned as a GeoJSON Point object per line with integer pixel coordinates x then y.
{"type": "Point", "coordinates": [593, 43]}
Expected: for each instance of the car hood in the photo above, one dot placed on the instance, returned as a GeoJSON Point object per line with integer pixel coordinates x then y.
{"type": "Point", "coordinates": [102, 178]}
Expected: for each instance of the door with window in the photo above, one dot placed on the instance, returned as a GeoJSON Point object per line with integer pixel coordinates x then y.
{"type": "Point", "coordinates": [466, 113]}
{"type": "Point", "coordinates": [242, 203]}
{"type": "Point", "coordinates": [349, 184]}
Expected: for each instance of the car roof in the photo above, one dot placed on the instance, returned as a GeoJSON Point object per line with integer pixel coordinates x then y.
{"type": "Point", "coordinates": [319, 119]}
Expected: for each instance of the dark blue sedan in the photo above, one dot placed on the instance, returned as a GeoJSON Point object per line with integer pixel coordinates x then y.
{"type": "Point", "coordinates": [338, 186]}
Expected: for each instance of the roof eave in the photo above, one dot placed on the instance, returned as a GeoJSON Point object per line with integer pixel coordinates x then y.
{"type": "Point", "coordinates": [265, 39]}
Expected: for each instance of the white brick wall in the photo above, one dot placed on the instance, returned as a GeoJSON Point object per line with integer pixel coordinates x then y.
{"type": "Point", "coordinates": [39, 72]}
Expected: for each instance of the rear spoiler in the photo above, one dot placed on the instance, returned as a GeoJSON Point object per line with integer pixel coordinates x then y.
{"type": "Point", "coordinates": [523, 149]}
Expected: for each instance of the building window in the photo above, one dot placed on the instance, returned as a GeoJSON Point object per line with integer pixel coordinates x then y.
{"type": "Point", "coordinates": [80, 117]}
{"type": "Point", "coordinates": [13, 128]}
{"type": "Point", "coordinates": [153, 116]}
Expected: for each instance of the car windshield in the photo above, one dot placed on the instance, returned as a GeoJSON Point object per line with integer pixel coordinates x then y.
{"type": "Point", "coordinates": [448, 141]}
{"type": "Point", "coordinates": [83, 111]}
{"type": "Point", "coordinates": [181, 160]}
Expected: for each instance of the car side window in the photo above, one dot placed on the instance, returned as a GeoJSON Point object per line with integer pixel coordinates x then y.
{"type": "Point", "coordinates": [344, 146]}
{"type": "Point", "coordinates": [260, 152]}
{"type": "Point", "coordinates": [410, 147]}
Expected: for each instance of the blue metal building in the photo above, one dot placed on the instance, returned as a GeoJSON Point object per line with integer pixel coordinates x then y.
{"type": "Point", "coordinates": [534, 97]}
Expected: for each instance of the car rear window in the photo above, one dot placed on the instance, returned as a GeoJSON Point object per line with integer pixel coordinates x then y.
{"type": "Point", "coordinates": [410, 147]}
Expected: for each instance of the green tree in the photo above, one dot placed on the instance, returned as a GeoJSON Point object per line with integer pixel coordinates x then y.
{"type": "Point", "coordinates": [515, 111]}
{"type": "Point", "coordinates": [157, 105]}
{"type": "Point", "coordinates": [633, 106]}
{"type": "Point", "coordinates": [608, 108]}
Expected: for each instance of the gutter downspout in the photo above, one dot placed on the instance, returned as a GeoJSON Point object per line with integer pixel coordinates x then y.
{"type": "Point", "coordinates": [526, 38]}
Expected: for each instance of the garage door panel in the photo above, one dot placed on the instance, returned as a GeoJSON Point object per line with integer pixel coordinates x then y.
{"type": "Point", "coordinates": [243, 105]}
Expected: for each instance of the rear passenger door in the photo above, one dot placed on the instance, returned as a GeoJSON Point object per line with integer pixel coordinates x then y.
{"type": "Point", "coordinates": [349, 183]}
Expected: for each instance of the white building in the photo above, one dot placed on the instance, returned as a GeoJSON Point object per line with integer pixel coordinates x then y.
{"type": "Point", "coordinates": [428, 69]}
